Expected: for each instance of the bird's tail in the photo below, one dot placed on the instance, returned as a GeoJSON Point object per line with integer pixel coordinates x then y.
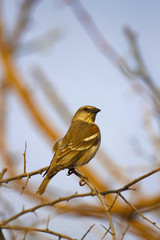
{"type": "Point", "coordinates": [43, 186]}
{"type": "Point", "coordinates": [50, 173]}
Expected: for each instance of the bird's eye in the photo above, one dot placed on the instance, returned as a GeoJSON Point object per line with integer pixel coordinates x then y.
{"type": "Point", "coordinates": [86, 109]}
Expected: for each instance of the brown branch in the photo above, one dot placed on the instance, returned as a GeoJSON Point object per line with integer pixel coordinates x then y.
{"type": "Point", "coordinates": [25, 185]}
{"type": "Point", "coordinates": [15, 80]}
{"type": "Point", "coordinates": [24, 156]}
{"type": "Point", "coordinates": [123, 234]}
{"type": "Point", "coordinates": [127, 186]}
{"type": "Point", "coordinates": [99, 195]}
{"type": "Point", "coordinates": [87, 231]}
{"type": "Point", "coordinates": [4, 170]}
{"type": "Point", "coordinates": [107, 231]}
{"type": "Point", "coordinates": [23, 175]}
{"type": "Point", "coordinates": [92, 193]}
{"type": "Point", "coordinates": [31, 229]}
{"type": "Point", "coordinates": [135, 209]}
{"type": "Point", "coordinates": [1, 235]}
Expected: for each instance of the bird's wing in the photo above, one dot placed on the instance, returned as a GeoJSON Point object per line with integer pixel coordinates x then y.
{"type": "Point", "coordinates": [80, 137]}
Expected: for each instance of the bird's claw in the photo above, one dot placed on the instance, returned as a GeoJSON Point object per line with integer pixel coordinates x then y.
{"type": "Point", "coordinates": [70, 171]}
{"type": "Point", "coordinates": [82, 182]}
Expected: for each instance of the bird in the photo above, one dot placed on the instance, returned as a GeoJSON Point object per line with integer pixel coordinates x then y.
{"type": "Point", "coordinates": [77, 147]}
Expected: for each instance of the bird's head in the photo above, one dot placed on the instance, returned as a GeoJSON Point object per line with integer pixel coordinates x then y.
{"type": "Point", "coordinates": [86, 113]}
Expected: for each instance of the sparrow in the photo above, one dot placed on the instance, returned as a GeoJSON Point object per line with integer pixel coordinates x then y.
{"type": "Point", "coordinates": [77, 147]}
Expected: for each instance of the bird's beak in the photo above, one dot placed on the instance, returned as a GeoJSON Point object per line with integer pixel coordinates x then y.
{"type": "Point", "coordinates": [95, 110]}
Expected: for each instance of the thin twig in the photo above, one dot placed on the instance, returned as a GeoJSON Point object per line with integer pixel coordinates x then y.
{"type": "Point", "coordinates": [107, 230]}
{"type": "Point", "coordinates": [25, 185]}
{"type": "Point", "coordinates": [48, 222]}
{"type": "Point", "coordinates": [127, 186]}
{"type": "Point", "coordinates": [24, 156]}
{"type": "Point", "coordinates": [114, 201]}
{"type": "Point", "coordinates": [135, 209]}
{"type": "Point", "coordinates": [123, 234]}
{"type": "Point", "coordinates": [4, 170]}
{"type": "Point", "coordinates": [87, 231]}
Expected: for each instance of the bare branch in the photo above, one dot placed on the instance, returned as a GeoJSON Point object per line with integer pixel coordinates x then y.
{"type": "Point", "coordinates": [24, 155]}
{"type": "Point", "coordinates": [4, 170]}
{"type": "Point", "coordinates": [135, 209]}
{"type": "Point", "coordinates": [1, 235]}
{"type": "Point", "coordinates": [124, 232]}
{"type": "Point", "coordinates": [107, 230]}
{"type": "Point", "coordinates": [127, 186]}
{"type": "Point", "coordinates": [102, 200]}
{"type": "Point", "coordinates": [23, 175]}
{"type": "Point", "coordinates": [31, 229]}
{"type": "Point", "coordinates": [87, 231]}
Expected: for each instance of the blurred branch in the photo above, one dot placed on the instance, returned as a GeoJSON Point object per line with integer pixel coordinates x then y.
{"type": "Point", "coordinates": [143, 231]}
{"type": "Point", "coordinates": [23, 19]}
{"type": "Point", "coordinates": [52, 95]}
{"type": "Point", "coordinates": [141, 71]}
{"type": "Point", "coordinates": [40, 44]}
{"type": "Point", "coordinates": [97, 37]}
{"type": "Point", "coordinates": [1, 235]}
{"type": "Point", "coordinates": [109, 52]}
{"type": "Point", "coordinates": [15, 81]}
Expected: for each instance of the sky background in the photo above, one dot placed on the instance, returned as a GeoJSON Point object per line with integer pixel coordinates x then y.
{"type": "Point", "coordinates": [83, 76]}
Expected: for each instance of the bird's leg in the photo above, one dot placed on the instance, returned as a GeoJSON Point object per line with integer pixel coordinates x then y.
{"type": "Point", "coordinates": [80, 175]}
{"type": "Point", "coordinates": [70, 171]}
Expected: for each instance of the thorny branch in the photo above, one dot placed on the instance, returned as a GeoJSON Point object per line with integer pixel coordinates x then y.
{"type": "Point", "coordinates": [93, 192]}
{"type": "Point", "coordinates": [23, 175]}
{"type": "Point", "coordinates": [31, 229]}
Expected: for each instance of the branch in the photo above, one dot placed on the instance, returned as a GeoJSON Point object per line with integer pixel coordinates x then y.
{"type": "Point", "coordinates": [1, 235]}
{"type": "Point", "coordinates": [31, 229]}
{"type": "Point", "coordinates": [135, 209]}
{"type": "Point", "coordinates": [24, 156]}
{"type": "Point", "coordinates": [23, 175]}
{"type": "Point", "coordinates": [98, 194]}
{"type": "Point", "coordinates": [92, 193]}
{"type": "Point", "coordinates": [16, 82]}
{"type": "Point", "coordinates": [87, 232]}
{"type": "Point", "coordinates": [127, 186]}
